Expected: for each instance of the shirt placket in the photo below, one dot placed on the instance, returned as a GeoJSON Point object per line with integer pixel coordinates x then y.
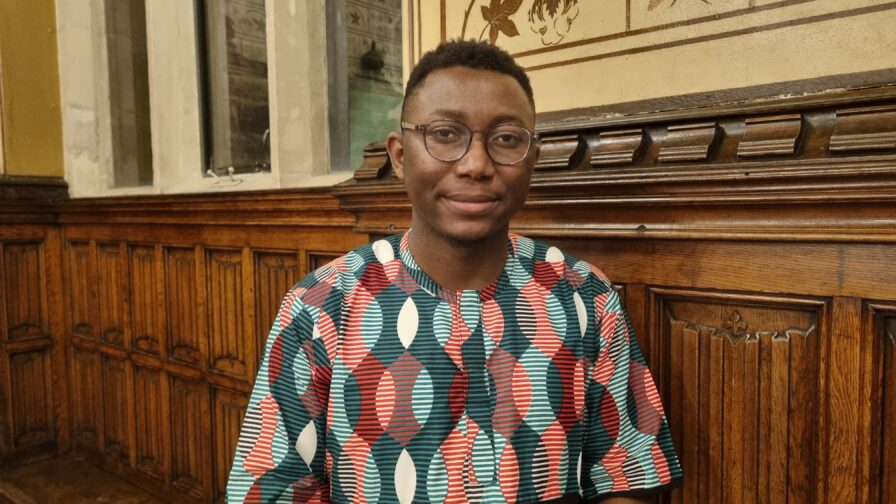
{"type": "Point", "coordinates": [480, 460]}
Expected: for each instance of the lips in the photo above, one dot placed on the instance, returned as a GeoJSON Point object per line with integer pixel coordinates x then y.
{"type": "Point", "coordinates": [471, 204]}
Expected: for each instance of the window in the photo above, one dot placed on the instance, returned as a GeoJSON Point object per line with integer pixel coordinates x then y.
{"type": "Point", "coordinates": [233, 50]}
{"type": "Point", "coordinates": [163, 96]}
{"type": "Point", "coordinates": [131, 141]}
{"type": "Point", "coordinates": [364, 46]}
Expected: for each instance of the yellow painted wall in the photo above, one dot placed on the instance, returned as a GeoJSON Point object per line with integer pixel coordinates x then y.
{"type": "Point", "coordinates": [591, 53]}
{"type": "Point", "coordinates": [29, 83]}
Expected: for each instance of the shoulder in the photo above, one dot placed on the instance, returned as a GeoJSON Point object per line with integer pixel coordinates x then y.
{"type": "Point", "coordinates": [341, 275]}
{"type": "Point", "coordinates": [545, 259]}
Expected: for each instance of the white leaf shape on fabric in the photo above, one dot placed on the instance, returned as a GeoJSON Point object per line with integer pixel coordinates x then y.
{"type": "Point", "coordinates": [408, 320]}
{"type": "Point", "coordinates": [306, 445]}
{"type": "Point", "coordinates": [581, 312]}
{"type": "Point", "coordinates": [579, 471]}
{"type": "Point", "coordinates": [383, 251]}
{"type": "Point", "coordinates": [405, 478]}
{"type": "Point", "coordinates": [554, 255]}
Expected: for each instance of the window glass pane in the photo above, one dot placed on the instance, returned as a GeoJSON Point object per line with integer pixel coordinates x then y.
{"type": "Point", "coordinates": [129, 92]}
{"type": "Point", "coordinates": [236, 85]}
{"type": "Point", "coordinates": [366, 39]}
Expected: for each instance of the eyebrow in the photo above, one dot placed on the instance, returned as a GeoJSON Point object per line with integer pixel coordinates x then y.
{"type": "Point", "coordinates": [454, 115]}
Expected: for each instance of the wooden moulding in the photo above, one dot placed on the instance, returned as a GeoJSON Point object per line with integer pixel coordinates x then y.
{"type": "Point", "coordinates": [770, 136]}
{"type": "Point", "coordinates": [688, 142]}
{"type": "Point", "coordinates": [560, 152]}
{"type": "Point", "coordinates": [376, 162]}
{"type": "Point", "coordinates": [617, 147]}
{"type": "Point", "coordinates": [865, 128]}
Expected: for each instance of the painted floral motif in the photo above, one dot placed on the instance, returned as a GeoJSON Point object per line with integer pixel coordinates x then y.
{"type": "Point", "coordinates": [656, 3]}
{"type": "Point", "coordinates": [497, 19]}
{"type": "Point", "coordinates": [552, 19]}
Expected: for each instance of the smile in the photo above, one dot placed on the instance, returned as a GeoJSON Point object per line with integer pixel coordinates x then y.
{"type": "Point", "coordinates": [471, 205]}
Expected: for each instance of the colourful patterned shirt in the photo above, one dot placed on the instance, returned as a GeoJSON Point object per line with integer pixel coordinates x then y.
{"type": "Point", "coordinates": [378, 385]}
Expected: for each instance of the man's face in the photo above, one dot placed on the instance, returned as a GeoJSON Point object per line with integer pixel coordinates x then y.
{"type": "Point", "coordinates": [472, 198]}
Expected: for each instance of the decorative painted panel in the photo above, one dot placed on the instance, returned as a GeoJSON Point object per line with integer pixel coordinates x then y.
{"type": "Point", "coordinates": [87, 397]}
{"type": "Point", "coordinates": [228, 343]}
{"type": "Point", "coordinates": [32, 410]}
{"type": "Point", "coordinates": [116, 410]}
{"type": "Point", "coordinates": [81, 287]}
{"type": "Point", "coordinates": [275, 273]}
{"type": "Point", "coordinates": [148, 401]}
{"type": "Point", "coordinates": [109, 285]}
{"type": "Point", "coordinates": [740, 379]}
{"type": "Point", "coordinates": [189, 436]}
{"type": "Point", "coordinates": [143, 290]}
{"type": "Point", "coordinates": [182, 309]}
{"type": "Point", "coordinates": [229, 410]}
{"type": "Point", "coordinates": [22, 277]}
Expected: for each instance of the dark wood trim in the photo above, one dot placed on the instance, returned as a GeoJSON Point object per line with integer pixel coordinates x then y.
{"type": "Point", "coordinates": [305, 207]}
{"type": "Point", "coordinates": [30, 200]}
{"type": "Point", "coordinates": [828, 162]}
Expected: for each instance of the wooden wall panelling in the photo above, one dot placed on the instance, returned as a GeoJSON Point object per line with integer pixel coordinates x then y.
{"type": "Point", "coordinates": [150, 423]}
{"type": "Point", "coordinates": [117, 408]}
{"type": "Point", "coordinates": [879, 328]}
{"type": "Point", "coordinates": [229, 408]}
{"type": "Point", "coordinates": [31, 397]}
{"type": "Point", "coordinates": [87, 403]}
{"type": "Point", "coordinates": [275, 273]}
{"type": "Point", "coordinates": [144, 294]}
{"type": "Point", "coordinates": [111, 292]}
{"type": "Point", "coordinates": [741, 375]}
{"type": "Point", "coordinates": [191, 455]}
{"type": "Point", "coordinates": [230, 351]}
{"type": "Point", "coordinates": [183, 275]}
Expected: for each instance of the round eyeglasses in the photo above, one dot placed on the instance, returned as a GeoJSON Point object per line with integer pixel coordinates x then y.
{"type": "Point", "coordinates": [446, 140]}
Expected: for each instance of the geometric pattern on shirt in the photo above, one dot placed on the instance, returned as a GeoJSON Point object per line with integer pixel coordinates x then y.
{"type": "Point", "coordinates": [378, 385]}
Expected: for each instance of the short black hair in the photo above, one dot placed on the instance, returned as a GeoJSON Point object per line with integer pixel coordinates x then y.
{"type": "Point", "coordinates": [468, 54]}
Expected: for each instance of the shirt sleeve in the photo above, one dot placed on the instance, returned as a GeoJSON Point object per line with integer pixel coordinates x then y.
{"type": "Point", "coordinates": [281, 452]}
{"type": "Point", "coordinates": [628, 446]}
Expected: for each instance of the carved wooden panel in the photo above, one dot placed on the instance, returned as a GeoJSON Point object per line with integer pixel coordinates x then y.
{"type": "Point", "coordinates": [86, 401]}
{"type": "Point", "coordinates": [741, 382]}
{"type": "Point", "coordinates": [189, 436]}
{"type": "Point", "coordinates": [882, 324]}
{"type": "Point", "coordinates": [22, 282]}
{"type": "Point", "coordinates": [229, 410]}
{"type": "Point", "coordinates": [688, 142]}
{"type": "Point", "coordinates": [109, 285]}
{"type": "Point", "coordinates": [181, 293]}
{"type": "Point", "coordinates": [770, 136]}
{"type": "Point", "coordinates": [81, 289]}
{"type": "Point", "coordinates": [560, 151]}
{"type": "Point", "coordinates": [865, 128]}
{"type": "Point", "coordinates": [617, 147]}
{"type": "Point", "coordinates": [116, 410]}
{"type": "Point", "coordinates": [148, 409]}
{"type": "Point", "coordinates": [32, 409]}
{"type": "Point", "coordinates": [275, 273]}
{"type": "Point", "coordinates": [228, 345]}
{"type": "Point", "coordinates": [143, 294]}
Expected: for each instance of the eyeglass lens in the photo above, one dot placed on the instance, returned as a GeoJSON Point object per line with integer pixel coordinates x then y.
{"type": "Point", "coordinates": [449, 141]}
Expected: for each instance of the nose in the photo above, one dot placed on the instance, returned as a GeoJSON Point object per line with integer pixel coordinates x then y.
{"type": "Point", "coordinates": [476, 163]}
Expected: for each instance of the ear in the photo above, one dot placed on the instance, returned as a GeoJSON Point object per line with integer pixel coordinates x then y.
{"type": "Point", "coordinates": [395, 148]}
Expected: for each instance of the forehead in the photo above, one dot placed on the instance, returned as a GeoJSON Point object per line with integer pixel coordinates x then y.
{"type": "Point", "coordinates": [470, 94]}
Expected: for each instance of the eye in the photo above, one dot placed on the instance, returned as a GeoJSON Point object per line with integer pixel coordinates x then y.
{"type": "Point", "coordinates": [508, 137]}
{"type": "Point", "coordinates": [445, 133]}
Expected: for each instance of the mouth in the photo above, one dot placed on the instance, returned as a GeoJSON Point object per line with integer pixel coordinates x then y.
{"type": "Point", "coordinates": [471, 204]}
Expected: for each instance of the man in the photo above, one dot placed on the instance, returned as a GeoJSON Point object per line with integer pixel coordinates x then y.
{"type": "Point", "coordinates": [455, 362]}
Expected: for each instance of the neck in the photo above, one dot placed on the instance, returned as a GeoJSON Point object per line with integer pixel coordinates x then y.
{"type": "Point", "coordinates": [459, 265]}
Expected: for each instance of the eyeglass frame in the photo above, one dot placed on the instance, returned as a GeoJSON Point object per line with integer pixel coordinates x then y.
{"type": "Point", "coordinates": [534, 138]}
